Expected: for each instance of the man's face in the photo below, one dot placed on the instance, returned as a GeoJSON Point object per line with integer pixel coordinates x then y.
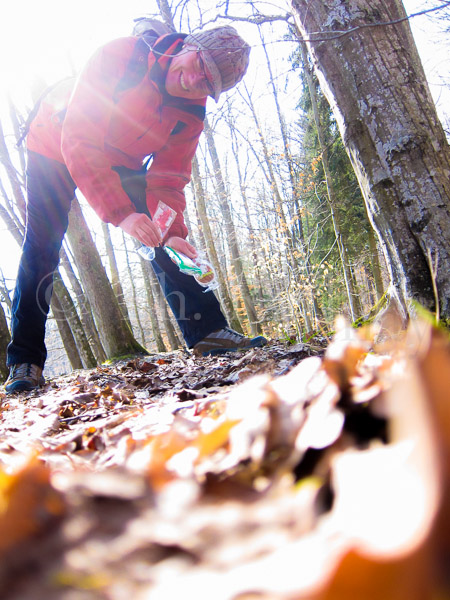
{"type": "Point", "coordinates": [187, 76]}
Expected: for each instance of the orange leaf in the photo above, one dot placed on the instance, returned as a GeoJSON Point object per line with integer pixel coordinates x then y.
{"type": "Point", "coordinates": [29, 504]}
{"type": "Point", "coordinates": [363, 578]}
{"type": "Point", "coordinates": [208, 443]}
{"type": "Point", "coordinates": [162, 447]}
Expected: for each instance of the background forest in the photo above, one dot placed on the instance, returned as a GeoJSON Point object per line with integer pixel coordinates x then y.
{"type": "Point", "coordinates": [273, 200]}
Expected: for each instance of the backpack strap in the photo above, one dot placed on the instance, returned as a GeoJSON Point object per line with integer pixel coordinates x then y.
{"type": "Point", "coordinates": [138, 64]}
{"type": "Point", "coordinates": [164, 51]}
{"type": "Point", "coordinates": [136, 68]}
{"type": "Point", "coordinates": [166, 47]}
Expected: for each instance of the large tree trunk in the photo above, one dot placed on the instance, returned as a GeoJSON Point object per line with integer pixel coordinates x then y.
{"type": "Point", "coordinates": [116, 335]}
{"type": "Point", "coordinates": [377, 89]}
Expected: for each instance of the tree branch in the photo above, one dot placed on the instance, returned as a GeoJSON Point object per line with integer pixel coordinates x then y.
{"type": "Point", "coordinates": [260, 19]}
{"type": "Point", "coordinates": [255, 20]}
{"type": "Point", "coordinates": [339, 34]}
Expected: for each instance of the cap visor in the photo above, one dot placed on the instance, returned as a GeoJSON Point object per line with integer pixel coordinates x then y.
{"type": "Point", "coordinates": [212, 73]}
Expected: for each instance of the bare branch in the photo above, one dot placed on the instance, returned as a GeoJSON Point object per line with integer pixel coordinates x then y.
{"type": "Point", "coordinates": [254, 20]}
{"type": "Point", "coordinates": [339, 34]}
{"type": "Point", "coordinates": [323, 36]}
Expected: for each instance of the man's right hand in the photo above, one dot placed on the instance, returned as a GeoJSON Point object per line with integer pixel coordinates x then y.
{"type": "Point", "coordinates": [142, 228]}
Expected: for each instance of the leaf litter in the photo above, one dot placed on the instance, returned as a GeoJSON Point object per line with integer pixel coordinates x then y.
{"type": "Point", "coordinates": [280, 473]}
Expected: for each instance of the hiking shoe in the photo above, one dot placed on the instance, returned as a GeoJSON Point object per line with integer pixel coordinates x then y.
{"type": "Point", "coordinates": [24, 377]}
{"type": "Point", "coordinates": [226, 340]}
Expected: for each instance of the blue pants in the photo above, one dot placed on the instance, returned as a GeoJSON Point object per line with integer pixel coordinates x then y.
{"type": "Point", "coordinates": [50, 190]}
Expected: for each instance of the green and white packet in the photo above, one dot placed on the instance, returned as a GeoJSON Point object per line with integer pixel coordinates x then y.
{"type": "Point", "coordinates": [199, 268]}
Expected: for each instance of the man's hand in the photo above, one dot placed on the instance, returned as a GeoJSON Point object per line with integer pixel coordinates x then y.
{"type": "Point", "coordinates": [181, 245]}
{"type": "Point", "coordinates": [142, 228]}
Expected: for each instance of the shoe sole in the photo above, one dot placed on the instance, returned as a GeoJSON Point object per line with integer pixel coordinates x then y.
{"type": "Point", "coordinates": [257, 343]}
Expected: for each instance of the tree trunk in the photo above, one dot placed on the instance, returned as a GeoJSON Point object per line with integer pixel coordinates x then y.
{"type": "Point", "coordinates": [65, 332]}
{"type": "Point", "coordinates": [377, 89]}
{"type": "Point", "coordinates": [70, 312]}
{"type": "Point", "coordinates": [14, 116]}
{"type": "Point", "coordinates": [198, 236]}
{"type": "Point", "coordinates": [116, 335]}
{"type": "Point", "coordinates": [146, 268]}
{"type": "Point", "coordinates": [331, 194]}
{"type": "Point", "coordinates": [297, 222]}
{"type": "Point", "coordinates": [375, 259]}
{"type": "Point", "coordinates": [4, 292]}
{"type": "Point", "coordinates": [115, 279]}
{"type": "Point", "coordinates": [231, 235]}
{"type": "Point", "coordinates": [224, 294]}
{"type": "Point", "coordinates": [166, 13]}
{"type": "Point", "coordinates": [174, 341]}
{"type": "Point", "coordinates": [12, 221]}
{"type": "Point", "coordinates": [133, 291]}
{"type": "Point", "coordinates": [287, 238]}
{"type": "Point", "coordinates": [242, 187]}
{"type": "Point", "coordinates": [84, 308]}
{"type": "Point", "coordinates": [271, 180]}
{"type": "Point", "coordinates": [13, 175]}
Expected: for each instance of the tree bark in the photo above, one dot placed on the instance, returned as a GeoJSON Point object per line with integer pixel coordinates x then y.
{"type": "Point", "coordinates": [116, 335]}
{"type": "Point", "coordinates": [146, 268]}
{"type": "Point", "coordinates": [224, 294]}
{"type": "Point", "coordinates": [115, 279]}
{"type": "Point", "coordinates": [13, 175]}
{"type": "Point", "coordinates": [166, 13]}
{"type": "Point", "coordinates": [84, 308]}
{"type": "Point", "coordinates": [231, 235]}
{"type": "Point", "coordinates": [133, 291]}
{"type": "Point", "coordinates": [251, 232]}
{"type": "Point", "coordinates": [65, 332]}
{"type": "Point", "coordinates": [378, 92]}
{"type": "Point", "coordinates": [174, 341]}
{"type": "Point", "coordinates": [376, 269]}
{"type": "Point", "coordinates": [70, 312]}
{"type": "Point", "coordinates": [198, 237]}
{"type": "Point", "coordinates": [16, 123]}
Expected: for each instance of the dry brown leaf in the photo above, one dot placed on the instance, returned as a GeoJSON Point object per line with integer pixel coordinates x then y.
{"type": "Point", "coordinates": [208, 442]}
{"type": "Point", "coordinates": [344, 355]}
{"type": "Point", "coordinates": [161, 448]}
{"type": "Point", "coordinates": [29, 504]}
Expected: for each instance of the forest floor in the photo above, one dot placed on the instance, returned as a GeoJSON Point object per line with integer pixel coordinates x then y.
{"type": "Point", "coordinates": [285, 472]}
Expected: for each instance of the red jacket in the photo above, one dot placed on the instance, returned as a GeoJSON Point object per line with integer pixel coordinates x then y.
{"type": "Point", "coordinates": [91, 127]}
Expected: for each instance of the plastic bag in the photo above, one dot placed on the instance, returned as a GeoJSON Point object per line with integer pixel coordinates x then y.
{"type": "Point", "coordinates": [200, 268]}
{"type": "Point", "coordinates": [164, 217]}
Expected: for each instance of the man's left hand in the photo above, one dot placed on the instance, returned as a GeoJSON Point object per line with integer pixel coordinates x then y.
{"type": "Point", "coordinates": [181, 245]}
